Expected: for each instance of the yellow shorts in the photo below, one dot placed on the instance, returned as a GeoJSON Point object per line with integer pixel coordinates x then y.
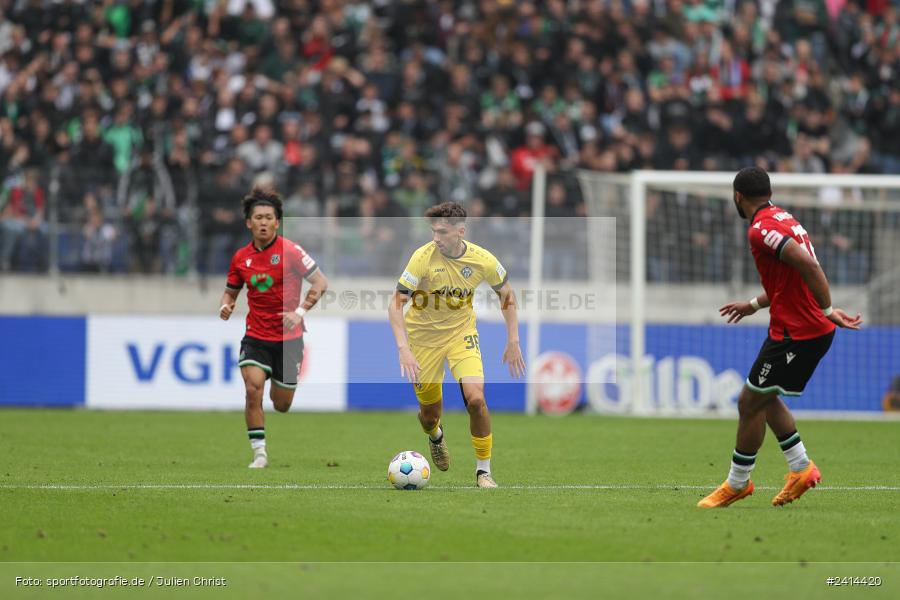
{"type": "Point", "coordinates": [462, 353]}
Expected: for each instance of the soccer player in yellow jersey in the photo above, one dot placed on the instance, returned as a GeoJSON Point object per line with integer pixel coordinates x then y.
{"type": "Point", "coordinates": [439, 282]}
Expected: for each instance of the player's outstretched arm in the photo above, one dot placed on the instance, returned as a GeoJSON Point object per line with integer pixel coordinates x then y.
{"type": "Point", "coordinates": [409, 366]}
{"type": "Point", "coordinates": [798, 257]}
{"type": "Point", "coordinates": [735, 311]}
{"type": "Point", "coordinates": [512, 355]}
{"type": "Point", "coordinates": [226, 304]}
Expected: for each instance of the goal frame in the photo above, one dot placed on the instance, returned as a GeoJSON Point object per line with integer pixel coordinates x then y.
{"type": "Point", "coordinates": [638, 182]}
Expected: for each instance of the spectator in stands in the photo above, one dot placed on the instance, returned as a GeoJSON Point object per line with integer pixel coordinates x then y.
{"type": "Point", "coordinates": [221, 221]}
{"type": "Point", "coordinates": [347, 98]}
{"type": "Point", "coordinates": [413, 196]}
{"type": "Point", "coordinates": [505, 198]}
{"type": "Point", "coordinates": [525, 158]}
{"type": "Point", "coordinates": [22, 225]}
{"type": "Point", "coordinates": [91, 156]}
{"type": "Point", "coordinates": [98, 239]}
{"type": "Point", "coordinates": [262, 153]}
{"type": "Point", "coordinates": [559, 233]}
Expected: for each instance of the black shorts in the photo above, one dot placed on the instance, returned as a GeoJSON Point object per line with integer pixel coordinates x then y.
{"type": "Point", "coordinates": [280, 360]}
{"type": "Point", "coordinates": [785, 366]}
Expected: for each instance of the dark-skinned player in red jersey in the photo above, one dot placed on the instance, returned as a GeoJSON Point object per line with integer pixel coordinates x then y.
{"type": "Point", "coordinates": [273, 268]}
{"type": "Point", "coordinates": [801, 329]}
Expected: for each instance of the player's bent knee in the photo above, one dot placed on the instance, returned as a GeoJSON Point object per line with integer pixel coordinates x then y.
{"type": "Point", "coordinates": [254, 390]}
{"type": "Point", "coordinates": [475, 404]}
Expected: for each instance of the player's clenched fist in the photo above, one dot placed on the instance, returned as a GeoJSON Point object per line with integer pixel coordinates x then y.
{"type": "Point", "coordinates": [225, 310]}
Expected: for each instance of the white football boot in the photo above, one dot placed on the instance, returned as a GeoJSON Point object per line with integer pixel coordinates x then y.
{"type": "Point", "coordinates": [260, 461]}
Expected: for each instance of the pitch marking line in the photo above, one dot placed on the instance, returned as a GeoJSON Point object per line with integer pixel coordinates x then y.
{"type": "Point", "coordinates": [324, 486]}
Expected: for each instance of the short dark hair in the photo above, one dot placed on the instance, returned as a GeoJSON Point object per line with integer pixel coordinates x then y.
{"type": "Point", "coordinates": [264, 195]}
{"type": "Point", "coordinates": [753, 182]}
{"type": "Point", "coordinates": [453, 212]}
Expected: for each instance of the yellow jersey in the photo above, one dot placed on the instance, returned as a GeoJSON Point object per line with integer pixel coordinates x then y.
{"type": "Point", "coordinates": [442, 290]}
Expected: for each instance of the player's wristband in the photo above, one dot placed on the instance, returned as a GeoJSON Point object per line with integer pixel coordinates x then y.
{"type": "Point", "coordinates": [754, 303]}
{"type": "Point", "coordinates": [827, 311]}
{"type": "Point", "coordinates": [300, 311]}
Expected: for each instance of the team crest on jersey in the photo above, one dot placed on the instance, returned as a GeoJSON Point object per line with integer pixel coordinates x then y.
{"type": "Point", "coordinates": [261, 282]}
{"type": "Point", "coordinates": [249, 260]}
{"type": "Point", "coordinates": [276, 258]}
{"type": "Point", "coordinates": [466, 272]}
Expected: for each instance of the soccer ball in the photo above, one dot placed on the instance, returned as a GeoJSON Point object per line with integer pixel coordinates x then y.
{"type": "Point", "coordinates": [409, 471]}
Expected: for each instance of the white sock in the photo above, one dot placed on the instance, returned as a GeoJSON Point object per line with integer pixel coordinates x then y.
{"type": "Point", "coordinates": [440, 434]}
{"type": "Point", "coordinates": [257, 440]}
{"type": "Point", "coordinates": [739, 474]}
{"type": "Point", "coordinates": [794, 452]}
{"type": "Point", "coordinates": [483, 465]}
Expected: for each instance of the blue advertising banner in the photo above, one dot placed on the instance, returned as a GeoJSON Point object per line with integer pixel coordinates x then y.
{"type": "Point", "coordinates": [374, 371]}
{"type": "Point", "coordinates": [688, 369]}
{"type": "Point", "coordinates": [43, 361]}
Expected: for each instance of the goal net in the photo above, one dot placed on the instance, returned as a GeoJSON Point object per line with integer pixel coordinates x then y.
{"type": "Point", "coordinates": [682, 252]}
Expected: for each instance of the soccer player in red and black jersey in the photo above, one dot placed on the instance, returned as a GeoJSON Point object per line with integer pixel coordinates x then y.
{"type": "Point", "coordinates": [273, 268]}
{"type": "Point", "coordinates": [801, 329]}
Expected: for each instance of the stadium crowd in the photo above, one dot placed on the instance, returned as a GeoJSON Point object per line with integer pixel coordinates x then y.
{"type": "Point", "coordinates": [146, 121]}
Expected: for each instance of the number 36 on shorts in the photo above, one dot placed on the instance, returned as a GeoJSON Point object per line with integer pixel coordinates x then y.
{"type": "Point", "coordinates": [472, 342]}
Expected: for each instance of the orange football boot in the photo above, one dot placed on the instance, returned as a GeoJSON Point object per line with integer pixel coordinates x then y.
{"type": "Point", "coordinates": [797, 483]}
{"type": "Point", "coordinates": [725, 495]}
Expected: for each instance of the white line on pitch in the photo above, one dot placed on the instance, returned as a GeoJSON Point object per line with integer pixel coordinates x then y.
{"type": "Point", "coordinates": [325, 486]}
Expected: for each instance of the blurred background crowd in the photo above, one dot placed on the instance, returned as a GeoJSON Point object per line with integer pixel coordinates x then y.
{"type": "Point", "coordinates": [139, 124]}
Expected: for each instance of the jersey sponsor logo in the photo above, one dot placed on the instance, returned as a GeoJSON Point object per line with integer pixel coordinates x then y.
{"type": "Point", "coordinates": [410, 278]}
{"type": "Point", "coordinates": [440, 270]}
{"type": "Point", "coordinates": [501, 272]}
{"type": "Point", "coordinates": [261, 282]}
{"type": "Point", "coordinates": [453, 292]}
{"type": "Point", "coordinates": [783, 216]}
{"type": "Point", "coordinates": [466, 272]}
{"type": "Point", "coordinates": [772, 238]}
{"type": "Point", "coordinates": [276, 258]}
{"type": "Point", "coordinates": [790, 356]}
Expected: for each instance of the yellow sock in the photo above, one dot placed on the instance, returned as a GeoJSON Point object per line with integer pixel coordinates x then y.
{"type": "Point", "coordinates": [433, 433]}
{"type": "Point", "coordinates": [483, 447]}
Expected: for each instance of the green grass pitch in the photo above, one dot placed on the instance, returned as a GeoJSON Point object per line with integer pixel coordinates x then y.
{"type": "Point", "coordinates": [134, 490]}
